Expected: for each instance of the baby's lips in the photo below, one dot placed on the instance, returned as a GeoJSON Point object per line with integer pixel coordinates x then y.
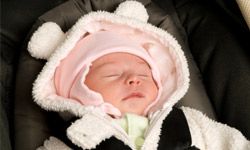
{"type": "Point", "coordinates": [133, 95]}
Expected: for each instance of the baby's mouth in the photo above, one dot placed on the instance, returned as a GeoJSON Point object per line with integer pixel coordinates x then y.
{"type": "Point", "coordinates": [134, 95]}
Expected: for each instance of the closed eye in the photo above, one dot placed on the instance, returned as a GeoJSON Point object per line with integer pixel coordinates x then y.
{"type": "Point", "coordinates": [112, 75]}
{"type": "Point", "coordinates": [143, 75]}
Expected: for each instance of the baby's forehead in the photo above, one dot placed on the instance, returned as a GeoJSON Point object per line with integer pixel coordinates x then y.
{"type": "Point", "coordinates": [118, 57]}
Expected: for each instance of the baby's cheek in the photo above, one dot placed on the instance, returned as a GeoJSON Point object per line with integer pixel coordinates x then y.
{"type": "Point", "coordinates": [108, 91]}
{"type": "Point", "coordinates": [153, 90]}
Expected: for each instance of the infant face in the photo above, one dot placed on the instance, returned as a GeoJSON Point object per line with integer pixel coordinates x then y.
{"type": "Point", "coordinates": [124, 80]}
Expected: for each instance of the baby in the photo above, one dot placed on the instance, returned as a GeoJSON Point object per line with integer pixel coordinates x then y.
{"type": "Point", "coordinates": [123, 80]}
{"type": "Point", "coordinates": [122, 77]}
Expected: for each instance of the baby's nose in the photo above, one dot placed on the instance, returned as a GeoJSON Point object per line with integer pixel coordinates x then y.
{"type": "Point", "coordinates": [133, 80]}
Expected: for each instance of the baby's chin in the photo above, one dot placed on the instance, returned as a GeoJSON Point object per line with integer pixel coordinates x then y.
{"type": "Point", "coordinates": [139, 113]}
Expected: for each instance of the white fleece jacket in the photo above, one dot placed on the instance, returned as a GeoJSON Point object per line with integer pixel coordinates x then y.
{"type": "Point", "coordinates": [206, 134]}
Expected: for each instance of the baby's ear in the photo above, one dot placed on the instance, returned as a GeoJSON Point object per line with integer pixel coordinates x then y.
{"type": "Point", "coordinates": [45, 40]}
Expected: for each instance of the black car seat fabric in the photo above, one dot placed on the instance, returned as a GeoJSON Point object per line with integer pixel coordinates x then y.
{"type": "Point", "coordinates": [199, 26]}
{"type": "Point", "coordinates": [16, 19]}
{"type": "Point", "coordinates": [221, 47]}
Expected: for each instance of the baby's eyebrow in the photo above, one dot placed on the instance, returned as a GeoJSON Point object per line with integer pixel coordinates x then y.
{"type": "Point", "coordinates": [111, 63]}
{"type": "Point", "coordinates": [105, 64]}
{"type": "Point", "coordinates": [143, 63]}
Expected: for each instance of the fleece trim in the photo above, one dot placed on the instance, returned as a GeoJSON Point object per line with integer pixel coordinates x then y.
{"type": "Point", "coordinates": [208, 134]}
{"type": "Point", "coordinates": [53, 144]}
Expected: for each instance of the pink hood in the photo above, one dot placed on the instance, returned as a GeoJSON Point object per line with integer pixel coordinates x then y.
{"type": "Point", "coordinates": [70, 74]}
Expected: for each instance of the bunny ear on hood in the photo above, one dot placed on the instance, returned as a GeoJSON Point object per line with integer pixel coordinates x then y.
{"type": "Point", "coordinates": [135, 36]}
